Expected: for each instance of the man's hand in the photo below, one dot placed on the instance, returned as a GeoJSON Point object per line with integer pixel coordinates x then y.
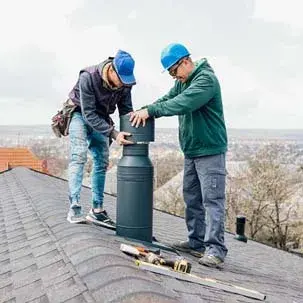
{"type": "Point", "coordinates": [121, 138]}
{"type": "Point", "coordinates": [139, 116]}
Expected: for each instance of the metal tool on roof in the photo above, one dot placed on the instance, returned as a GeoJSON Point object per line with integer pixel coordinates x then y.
{"type": "Point", "coordinates": [202, 281]}
{"type": "Point", "coordinates": [136, 251]}
{"type": "Point", "coordinates": [179, 264]}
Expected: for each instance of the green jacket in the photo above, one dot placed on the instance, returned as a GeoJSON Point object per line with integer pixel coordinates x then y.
{"type": "Point", "coordinates": [198, 104]}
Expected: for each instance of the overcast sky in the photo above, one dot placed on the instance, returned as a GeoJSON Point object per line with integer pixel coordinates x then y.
{"type": "Point", "coordinates": [254, 46]}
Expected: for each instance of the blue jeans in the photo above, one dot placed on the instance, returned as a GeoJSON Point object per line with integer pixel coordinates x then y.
{"type": "Point", "coordinates": [83, 138]}
{"type": "Point", "coordinates": [204, 196]}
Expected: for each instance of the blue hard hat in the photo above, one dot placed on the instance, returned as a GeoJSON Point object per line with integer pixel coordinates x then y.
{"type": "Point", "coordinates": [172, 53]}
{"type": "Point", "coordinates": [124, 66]}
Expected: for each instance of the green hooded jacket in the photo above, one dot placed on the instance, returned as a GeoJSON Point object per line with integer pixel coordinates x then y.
{"type": "Point", "coordinates": [198, 104]}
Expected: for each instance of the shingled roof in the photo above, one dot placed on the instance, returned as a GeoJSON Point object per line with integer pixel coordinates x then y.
{"type": "Point", "coordinates": [43, 258]}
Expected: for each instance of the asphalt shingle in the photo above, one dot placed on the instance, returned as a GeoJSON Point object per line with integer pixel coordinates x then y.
{"type": "Point", "coordinates": [43, 258]}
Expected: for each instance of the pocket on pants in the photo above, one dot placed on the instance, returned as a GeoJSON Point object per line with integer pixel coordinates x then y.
{"type": "Point", "coordinates": [215, 183]}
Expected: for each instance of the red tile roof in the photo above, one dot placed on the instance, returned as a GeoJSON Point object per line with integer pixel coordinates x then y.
{"type": "Point", "coordinates": [3, 166]}
{"type": "Point", "coordinates": [13, 157]}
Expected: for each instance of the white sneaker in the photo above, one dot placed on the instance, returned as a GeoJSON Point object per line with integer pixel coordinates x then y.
{"type": "Point", "coordinates": [75, 214]}
{"type": "Point", "coordinates": [211, 261]}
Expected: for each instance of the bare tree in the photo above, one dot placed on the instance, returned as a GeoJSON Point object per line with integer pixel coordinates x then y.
{"type": "Point", "coordinates": [265, 191]}
{"type": "Point", "coordinates": [278, 188]}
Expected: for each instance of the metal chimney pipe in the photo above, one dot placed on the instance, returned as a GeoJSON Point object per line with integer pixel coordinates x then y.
{"type": "Point", "coordinates": [240, 229]}
{"type": "Point", "coordinates": [135, 183]}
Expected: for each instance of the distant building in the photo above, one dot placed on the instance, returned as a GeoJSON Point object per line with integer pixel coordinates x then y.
{"type": "Point", "coordinates": [14, 157]}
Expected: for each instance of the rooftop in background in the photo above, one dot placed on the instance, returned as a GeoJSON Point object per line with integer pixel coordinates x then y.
{"type": "Point", "coordinates": [43, 258]}
{"type": "Point", "coordinates": [14, 157]}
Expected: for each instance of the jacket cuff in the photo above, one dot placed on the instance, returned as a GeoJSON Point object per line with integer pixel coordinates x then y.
{"type": "Point", "coordinates": [114, 133]}
{"type": "Point", "coordinates": [151, 110]}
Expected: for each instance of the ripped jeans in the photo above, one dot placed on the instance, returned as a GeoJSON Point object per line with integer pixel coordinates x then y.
{"type": "Point", "coordinates": [204, 196]}
{"type": "Point", "coordinates": [82, 139]}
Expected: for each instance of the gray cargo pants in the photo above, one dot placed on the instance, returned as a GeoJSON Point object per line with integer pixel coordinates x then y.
{"type": "Point", "coordinates": [204, 196]}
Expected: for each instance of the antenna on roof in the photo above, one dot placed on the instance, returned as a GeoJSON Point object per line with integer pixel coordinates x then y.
{"type": "Point", "coordinates": [240, 229]}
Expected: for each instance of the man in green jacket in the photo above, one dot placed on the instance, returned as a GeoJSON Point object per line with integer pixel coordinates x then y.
{"type": "Point", "coordinates": [196, 99]}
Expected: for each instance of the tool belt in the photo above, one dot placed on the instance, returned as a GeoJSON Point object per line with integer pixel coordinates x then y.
{"type": "Point", "coordinates": [61, 121]}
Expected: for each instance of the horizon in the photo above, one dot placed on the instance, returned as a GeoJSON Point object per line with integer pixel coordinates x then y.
{"type": "Point", "coordinates": [161, 127]}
